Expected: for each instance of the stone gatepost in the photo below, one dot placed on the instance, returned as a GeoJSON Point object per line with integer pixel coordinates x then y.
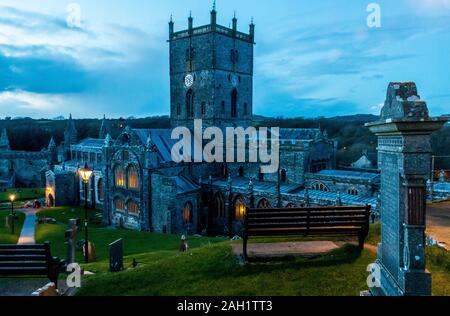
{"type": "Point", "coordinates": [404, 151]}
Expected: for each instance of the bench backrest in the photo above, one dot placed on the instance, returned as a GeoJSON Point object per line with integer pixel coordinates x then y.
{"type": "Point", "coordinates": [35, 256]}
{"type": "Point", "coordinates": [305, 221]}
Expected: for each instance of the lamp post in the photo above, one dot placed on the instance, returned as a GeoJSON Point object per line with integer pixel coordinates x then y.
{"type": "Point", "coordinates": [85, 174]}
{"type": "Point", "coordinates": [12, 197]}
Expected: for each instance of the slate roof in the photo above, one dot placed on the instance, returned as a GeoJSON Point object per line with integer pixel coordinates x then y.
{"type": "Point", "coordinates": [258, 186]}
{"type": "Point", "coordinates": [96, 143]}
{"type": "Point", "coordinates": [345, 198]}
{"type": "Point", "coordinates": [162, 140]}
{"type": "Point", "coordinates": [349, 174]}
{"type": "Point", "coordinates": [441, 187]}
{"type": "Point", "coordinates": [184, 185]}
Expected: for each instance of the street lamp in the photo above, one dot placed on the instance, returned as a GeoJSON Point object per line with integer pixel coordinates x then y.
{"type": "Point", "coordinates": [85, 174]}
{"type": "Point", "coordinates": [12, 198]}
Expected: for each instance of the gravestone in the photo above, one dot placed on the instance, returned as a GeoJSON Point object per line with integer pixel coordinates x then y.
{"type": "Point", "coordinates": [71, 237]}
{"type": "Point", "coordinates": [116, 256]}
{"type": "Point", "coordinates": [92, 253]}
{"type": "Point", "coordinates": [404, 155]}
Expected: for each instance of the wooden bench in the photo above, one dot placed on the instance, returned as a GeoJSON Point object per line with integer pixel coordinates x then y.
{"type": "Point", "coordinates": [314, 221]}
{"type": "Point", "coordinates": [29, 260]}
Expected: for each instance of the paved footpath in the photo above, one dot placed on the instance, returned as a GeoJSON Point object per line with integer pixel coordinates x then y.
{"type": "Point", "coordinates": [28, 229]}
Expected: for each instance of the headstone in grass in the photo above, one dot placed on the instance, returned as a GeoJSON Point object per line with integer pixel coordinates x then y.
{"type": "Point", "coordinates": [116, 256]}
{"type": "Point", "coordinates": [71, 236]}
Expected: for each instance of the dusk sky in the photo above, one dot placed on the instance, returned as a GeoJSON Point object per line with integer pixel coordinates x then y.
{"type": "Point", "coordinates": [312, 58]}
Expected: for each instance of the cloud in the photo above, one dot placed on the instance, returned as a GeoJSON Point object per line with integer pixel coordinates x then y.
{"type": "Point", "coordinates": [28, 101]}
{"type": "Point", "coordinates": [106, 70]}
{"type": "Point", "coordinates": [434, 7]}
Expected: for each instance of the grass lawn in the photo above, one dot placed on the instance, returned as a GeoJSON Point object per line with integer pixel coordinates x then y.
{"type": "Point", "coordinates": [214, 270]}
{"type": "Point", "coordinates": [22, 194]}
{"type": "Point", "coordinates": [210, 268]}
{"type": "Point", "coordinates": [5, 232]}
{"type": "Point", "coordinates": [135, 242]}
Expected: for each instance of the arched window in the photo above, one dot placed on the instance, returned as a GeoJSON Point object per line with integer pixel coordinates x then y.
{"type": "Point", "coordinates": [239, 207]}
{"type": "Point", "coordinates": [203, 108]}
{"type": "Point", "coordinates": [100, 194]}
{"type": "Point", "coordinates": [283, 175]}
{"type": "Point", "coordinates": [219, 205]}
{"type": "Point", "coordinates": [234, 101]}
{"type": "Point", "coordinates": [352, 191]}
{"type": "Point", "coordinates": [119, 204]}
{"type": "Point", "coordinates": [190, 103]}
{"type": "Point", "coordinates": [187, 213]}
{"type": "Point", "coordinates": [133, 207]}
{"type": "Point", "coordinates": [319, 186]}
{"type": "Point", "coordinates": [260, 175]}
{"type": "Point", "coordinates": [263, 203]}
{"type": "Point", "coordinates": [119, 177]}
{"type": "Point", "coordinates": [241, 172]}
{"type": "Point", "coordinates": [133, 178]}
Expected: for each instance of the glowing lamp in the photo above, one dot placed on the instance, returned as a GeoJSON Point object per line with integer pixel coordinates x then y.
{"type": "Point", "coordinates": [85, 173]}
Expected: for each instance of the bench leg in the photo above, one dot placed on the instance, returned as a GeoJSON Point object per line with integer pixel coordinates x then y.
{"type": "Point", "coordinates": [361, 242]}
{"type": "Point", "coordinates": [53, 277]}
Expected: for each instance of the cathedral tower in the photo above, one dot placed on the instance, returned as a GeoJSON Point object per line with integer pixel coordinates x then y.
{"type": "Point", "coordinates": [211, 74]}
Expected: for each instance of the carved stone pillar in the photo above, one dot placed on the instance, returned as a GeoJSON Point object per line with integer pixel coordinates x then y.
{"type": "Point", "coordinates": [404, 151]}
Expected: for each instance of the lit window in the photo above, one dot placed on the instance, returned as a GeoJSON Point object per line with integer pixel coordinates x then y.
{"type": "Point", "coordinates": [239, 209]}
{"type": "Point", "coordinates": [187, 213]}
{"type": "Point", "coordinates": [119, 176]}
{"type": "Point", "coordinates": [133, 178]}
{"type": "Point", "coordinates": [133, 207]}
{"type": "Point", "coordinates": [119, 205]}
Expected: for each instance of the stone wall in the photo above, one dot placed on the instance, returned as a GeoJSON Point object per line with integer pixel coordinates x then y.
{"type": "Point", "coordinates": [28, 167]}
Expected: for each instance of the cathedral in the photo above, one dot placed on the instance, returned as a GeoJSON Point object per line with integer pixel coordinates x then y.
{"type": "Point", "coordinates": [138, 185]}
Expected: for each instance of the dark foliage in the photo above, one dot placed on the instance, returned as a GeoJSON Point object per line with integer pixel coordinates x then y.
{"type": "Point", "coordinates": [352, 136]}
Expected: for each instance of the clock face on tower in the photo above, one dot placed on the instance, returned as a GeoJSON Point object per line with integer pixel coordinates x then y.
{"type": "Point", "coordinates": [234, 81]}
{"type": "Point", "coordinates": [188, 80]}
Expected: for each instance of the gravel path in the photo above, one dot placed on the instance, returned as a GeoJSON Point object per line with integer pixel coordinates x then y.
{"type": "Point", "coordinates": [305, 248]}
{"type": "Point", "coordinates": [438, 222]}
